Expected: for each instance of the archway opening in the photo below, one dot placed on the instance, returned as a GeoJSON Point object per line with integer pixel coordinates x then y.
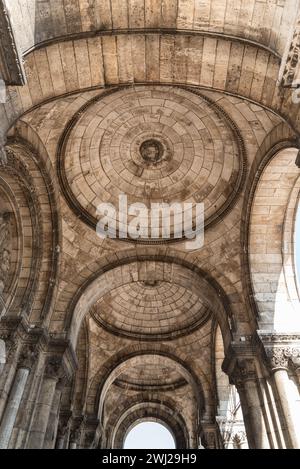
{"type": "Point", "coordinates": [149, 435]}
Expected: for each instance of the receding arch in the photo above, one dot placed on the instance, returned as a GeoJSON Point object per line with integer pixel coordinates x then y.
{"type": "Point", "coordinates": [112, 368]}
{"type": "Point", "coordinates": [271, 244]}
{"type": "Point", "coordinates": [196, 280]}
{"type": "Point", "coordinates": [149, 411]}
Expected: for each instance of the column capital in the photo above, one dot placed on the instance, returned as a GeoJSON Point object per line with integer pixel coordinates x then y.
{"type": "Point", "coordinates": [244, 370]}
{"type": "Point", "coordinates": [28, 356]}
{"type": "Point", "coordinates": [282, 350]}
{"type": "Point", "coordinates": [64, 423]}
{"type": "Point", "coordinates": [76, 430]}
{"type": "Point", "coordinates": [54, 368]}
{"type": "Point", "coordinates": [240, 361]}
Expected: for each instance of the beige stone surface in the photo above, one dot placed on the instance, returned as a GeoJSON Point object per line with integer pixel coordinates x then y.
{"type": "Point", "coordinates": [163, 101]}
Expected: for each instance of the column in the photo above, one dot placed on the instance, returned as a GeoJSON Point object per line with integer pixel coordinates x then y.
{"type": "Point", "coordinates": [63, 430]}
{"type": "Point", "coordinates": [280, 360]}
{"type": "Point", "coordinates": [12, 406]}
{"type": "Point", "coordinates": [8, 371]}
{"type": "Point", "coordinates": [26, 359]}
{"type": "Point", "coordinates": [245, 379]}
{"type": "Point", "coordinates": [51, 432]}
{"type": "Point", "coordinates": [44, 404]}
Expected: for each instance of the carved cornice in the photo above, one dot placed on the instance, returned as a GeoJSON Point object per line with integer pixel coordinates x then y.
{"type": "Point", "coordinates": [11, 66]}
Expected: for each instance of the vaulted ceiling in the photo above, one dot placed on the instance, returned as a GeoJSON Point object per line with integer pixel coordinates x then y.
{"type": "Point", "coordinates": [263, 21]}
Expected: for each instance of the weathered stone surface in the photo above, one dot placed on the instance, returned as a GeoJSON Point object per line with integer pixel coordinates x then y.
{"type": "Point", "coordinates": [172, 101]}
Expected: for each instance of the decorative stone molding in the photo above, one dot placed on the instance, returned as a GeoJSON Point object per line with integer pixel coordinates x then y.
{"type": "Point", "coordinates": [5, 248]}
{"type": "Point", "coordinates": [291, 62]}
{"type": "Point", "coordinates": [11, 65]}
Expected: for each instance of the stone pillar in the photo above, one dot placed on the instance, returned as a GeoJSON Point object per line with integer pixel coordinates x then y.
{"type": "Point", "coordinates": [75, 434]}
{"type": "Point", "coordinates": [245, 379]}
{"type": "Point", "coordinates": [8, 370]}
{"type": "Point", "coordinates": [280, 360]}
{"type": "Point", "coordinates": [12, 406]}
{"type": "Point", "coordinates": [51, 432]}
{"type": "Point", "coordinates": [26, 359]}
{"type": "Point", "coordinates": [44, 404]}
{"type": "Point", "coordinates": [63, 431]}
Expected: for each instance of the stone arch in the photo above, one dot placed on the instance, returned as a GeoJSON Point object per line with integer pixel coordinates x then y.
{"type": "Point", "coordinates": [150, 50]}
{"type": "Point", "coordinates": [104, 17]}
{"type": "Point", "coordinates": [147, 411]}
{"type": "Point", "coordinates": [110, 369]}
{"type": "Point", "coordinates": [26, 173]}
{"type": "Point", "coordinates": [10, 246]}
{"type": "Point", "coordinates": [273, 202]}
{"type": "Point", "coordinates": [141, 401]}
{"type": "Point", "coordinates": [94, 287]}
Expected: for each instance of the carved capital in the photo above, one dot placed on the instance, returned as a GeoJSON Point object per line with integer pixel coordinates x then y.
{"type": "Point", "coordinates": [63, 426]}
{"type": "Point", "coordinates": [282, 350]}
{"type": "Point", "coordinates": [283, 357]}
{"type": "Point", "coordinates": [28, 356]}
{"type": "Point", "coordinates": [76, 432]}
{"type": "Point", "coordinates": [54, 368]}
{"type": "Point", "coordinates": [243, 371]}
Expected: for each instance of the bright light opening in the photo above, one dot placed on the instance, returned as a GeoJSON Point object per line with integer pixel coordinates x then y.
{"type": "Point", "coordinates": [149, 435]}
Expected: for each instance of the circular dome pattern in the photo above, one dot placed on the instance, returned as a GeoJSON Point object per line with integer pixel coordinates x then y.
{"type": "Point", "coordinates": [156, 144]}
{"type": "Point", "coordinates": [150, 310]}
